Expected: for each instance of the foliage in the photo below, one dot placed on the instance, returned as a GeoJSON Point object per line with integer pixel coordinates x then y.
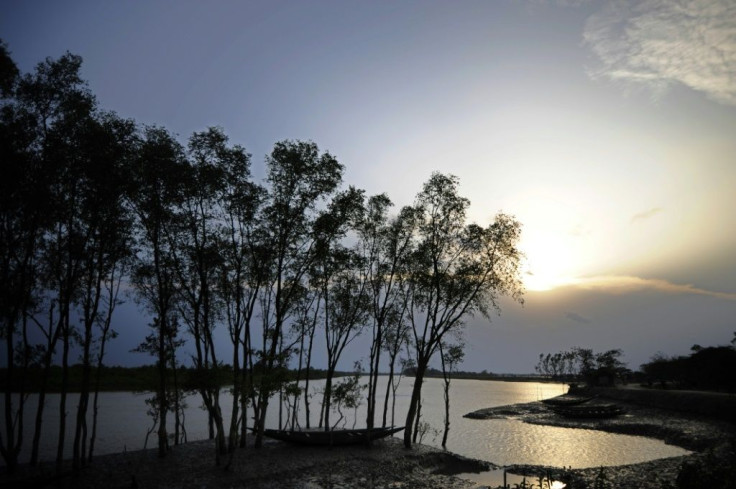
{"type": "Point", "coordinates": [582, 364]}
{"type": "Point", "coordinates": [707, 368]}
{"type": "Point", "coordinates": [455, 271]}
{"type": "Point", "coordinates": [92, 201]}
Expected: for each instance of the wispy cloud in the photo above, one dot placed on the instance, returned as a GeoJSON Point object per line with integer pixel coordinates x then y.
{"type": "Point", "coordinates": [641, 216]}
{"type": "Point", "coordinates": [617, 284]}
{"type": "Point", "coordinates": [659, 42]}
{"type": "Point", "coordinates": [577, 318]}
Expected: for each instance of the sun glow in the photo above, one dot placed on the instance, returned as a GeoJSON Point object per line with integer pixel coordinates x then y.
{"type": "Point", "coordinates": [549, 261]}
{"type": "Point", "coordinates": [553, 241]}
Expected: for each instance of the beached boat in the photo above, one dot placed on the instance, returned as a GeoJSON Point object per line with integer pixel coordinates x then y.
{"type": "Point", "coordinates": [334, 437]}
{"type": "Point", "coordinates": [589, 411]}
{"type": "Point", "coordinates": [565, 400]}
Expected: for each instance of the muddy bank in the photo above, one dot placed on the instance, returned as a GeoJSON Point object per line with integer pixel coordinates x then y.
{"type": "Point", "coordinates": [704, 436]}
{"type": "Point", "coordinates": [387, 464]}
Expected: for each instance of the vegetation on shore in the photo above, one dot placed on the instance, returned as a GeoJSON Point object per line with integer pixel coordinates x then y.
{"type": "Point", "coordinates": [706, 368]}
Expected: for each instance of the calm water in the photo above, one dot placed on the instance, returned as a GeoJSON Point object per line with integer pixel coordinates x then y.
{"type": "Point", "coordinates": [123, 423]}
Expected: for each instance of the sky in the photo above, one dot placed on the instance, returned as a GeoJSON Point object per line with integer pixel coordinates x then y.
{"type": "Point", "coordinates": [607, 127]}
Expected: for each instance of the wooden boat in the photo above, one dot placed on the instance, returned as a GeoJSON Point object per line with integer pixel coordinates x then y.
{"type": "Point", "coordinates": [566, 400]}
{"type": "Point", "coordinates": [590, 411]}
{"type": "Point", "coordinates": [334, 437]}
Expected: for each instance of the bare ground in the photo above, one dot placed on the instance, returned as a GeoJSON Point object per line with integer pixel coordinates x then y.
{"type": "Point", "coordinates": [387, 464]}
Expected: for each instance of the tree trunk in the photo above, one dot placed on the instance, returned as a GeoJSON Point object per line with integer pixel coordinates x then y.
{"type": "Point", "coordinates": [326, 400]}
{"type": "Point", "coordinates": [80, 432]}
{"type": "Point", "coordinates": [64, 387]}
{"type": "Point", "coordinates": [416, 395]}
{"type": "Point", "coordinates": [162, 400]}
{"type": "Point", "coordinates": [389, 385]}
{"type": "Point", "coordinates": [306, 379]}
{"type": "Point", "coordinates": [9, 452]}
{"type": "Point", "coordinates": [447, 414]}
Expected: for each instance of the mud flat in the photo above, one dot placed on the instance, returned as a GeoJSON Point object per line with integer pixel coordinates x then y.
{"type": "Point", "coordinates": [710, 438]}
{"type": "Point", "coordinates": [387, 464]}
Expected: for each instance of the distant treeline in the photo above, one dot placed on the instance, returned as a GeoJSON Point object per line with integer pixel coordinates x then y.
{"type": "Point", "coordinates": [461, 374]}
{"type": "Point", "coordinates": [144, 378]}
{"type": "Point", "coordinates": [706, 368]}
{"type": "Point", "coordinates": [139, 379]}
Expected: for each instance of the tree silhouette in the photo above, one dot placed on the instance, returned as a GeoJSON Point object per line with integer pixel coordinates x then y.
{"type": "Point", "coordinates": [456, 271]}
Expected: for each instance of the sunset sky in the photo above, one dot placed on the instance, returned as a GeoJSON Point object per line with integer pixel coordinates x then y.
{"type": "Point", "coordinates": [608, 128]}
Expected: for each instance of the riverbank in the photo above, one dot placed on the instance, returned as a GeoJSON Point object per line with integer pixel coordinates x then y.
{"type": "Point", "coordinates": [387, 464]}
{"type": "Point", "coordinates": [710, 440]}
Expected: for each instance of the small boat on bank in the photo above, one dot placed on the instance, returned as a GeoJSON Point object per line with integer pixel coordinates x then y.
{"type": "Point", "coordinates": [589, 411]}
{"type": "Point", "coordinates": [334, 437]}
{"type": "Point", "coordinates": [566, 400]}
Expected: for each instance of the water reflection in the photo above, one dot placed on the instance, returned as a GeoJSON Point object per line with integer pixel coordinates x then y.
{"type": "Point", "coordinates": [123, 424]}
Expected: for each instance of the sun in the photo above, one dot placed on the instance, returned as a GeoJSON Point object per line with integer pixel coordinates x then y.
{"type": "Point", "coordinates": [549, 260]}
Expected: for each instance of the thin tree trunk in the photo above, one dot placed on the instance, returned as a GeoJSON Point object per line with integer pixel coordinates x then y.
{"type": "Point", "coordinates": [416, 395]}
{"type": "Point", "coordinates": [9, 451]}
{"type": "Point", "coordinates": [163, 444]}
{"type": "Point", "coordinates": [389, 386]}
{"type": "Point", "coordinates": [64, 387]}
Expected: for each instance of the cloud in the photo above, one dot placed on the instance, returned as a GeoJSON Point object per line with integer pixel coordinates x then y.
{"type": "Point", "coordinates": [660, 42]}
{"type": "Point", "coordinates": [641, 216]}
{"type": "Point", "coordinates": [617, 284]}
{"type": "Point", "coordinates": [577, 318]}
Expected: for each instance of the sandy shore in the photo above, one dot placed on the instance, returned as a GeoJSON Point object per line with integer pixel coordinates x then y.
{"type": "Point", "coordinates": [388, 465]}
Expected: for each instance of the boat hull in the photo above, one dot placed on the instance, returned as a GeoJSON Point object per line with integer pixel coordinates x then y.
{"type": "Point", "coordinates": [332, 438]}
{"type": "Point", "coordinates": [590, 411]}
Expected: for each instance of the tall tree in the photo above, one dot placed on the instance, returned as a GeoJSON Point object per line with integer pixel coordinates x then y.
{"type": "Point", "coordinates": [456, 270]}
{"type": "Point", "coordinates": [242, 271]}
{"type": "Point", "coordinates": [158, 177]}
{"type": "Point", "coordinates": [198, 260]}
{"type": "Point", "coordinates": [299, 179]}
{"type": "Point", "coordinates": [23, 218]}
{"type": "Point", "coordinates": [106, 224]}
{"type": "Point", "coordinates": [60, 109]}
{"type": "Point", "coordinates": [384, 246]}
{"type": "Point", "coordinates": [338, 273]}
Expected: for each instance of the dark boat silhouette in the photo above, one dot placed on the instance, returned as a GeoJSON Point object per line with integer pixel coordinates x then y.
{"type": "Point", "coordinates": [566, 400]}
{"type": "Point", "coordinates": [333, 437]}
{"type": "Point", "coordinates": [589, 411]}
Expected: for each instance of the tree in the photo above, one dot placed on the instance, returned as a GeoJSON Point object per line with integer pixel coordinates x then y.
{"type": "Point", "coordinates": [456, 271]}
{"type": "Point", "coordinates": [396, 337]}
{"type": "Point", "coordinates": [106, 223]}
{"type": "Point", "coordinates": [299, 179]}
{"type": "Point", "coordinates": [23, 219]}
{"type": "Point", "coordinates": [196, 247]}
{"type": "Point", "coordinates": [346, 394]}
{"type": "Point", "coordinates": [59, 114]}
{"type": "Point", "coordinates": [384, 246]}
{"type": "Point", "coordinates": [243, 270]}
{"type": "Point", "coordinates": [156, 193]}
{"type": "Point", "coordinates": [8, 71]}
{"type": "Point", "coordinates": [337, 273]}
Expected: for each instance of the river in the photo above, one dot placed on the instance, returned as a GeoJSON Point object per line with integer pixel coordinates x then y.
{"type": "Point", "coordinates": [123, 423]}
